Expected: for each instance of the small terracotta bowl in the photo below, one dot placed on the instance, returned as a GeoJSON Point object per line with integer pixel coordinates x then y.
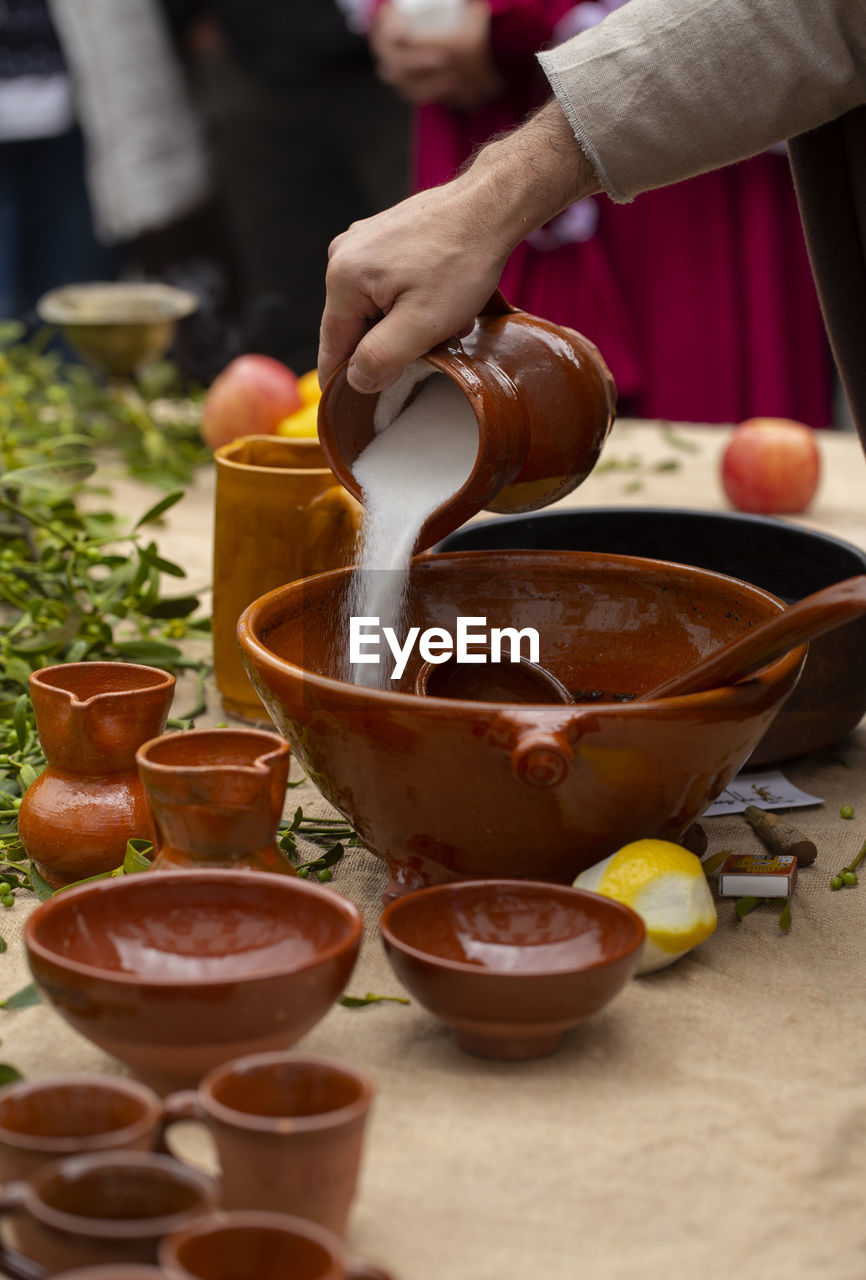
{"type": "Point", "coordinates": [178, 972]}
{"type": "Point", "coordinates": [511, 964]}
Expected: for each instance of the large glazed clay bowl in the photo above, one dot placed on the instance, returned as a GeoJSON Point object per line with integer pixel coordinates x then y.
{"type": "Point", "coordinates": [781, 557]}
{"type": "Point", "coordinates": [511, 965]}
{"type": "Point", "coordinates": [445, 789]}
{"type": "Point", "coordinates": [177, 972]}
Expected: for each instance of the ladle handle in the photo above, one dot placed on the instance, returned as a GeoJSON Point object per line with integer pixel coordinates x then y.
{"type": "Point", "coordinates": [806, 620]}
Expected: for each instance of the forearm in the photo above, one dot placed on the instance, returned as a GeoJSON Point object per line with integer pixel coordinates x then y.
{"type": "Point", "coordinates": [662, 90]}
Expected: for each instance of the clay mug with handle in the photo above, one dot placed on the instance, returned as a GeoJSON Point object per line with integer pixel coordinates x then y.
{"type": "Point", "coordinates": [98, 1209]}
{"type": "Point", "coordinates": [289, 1132]}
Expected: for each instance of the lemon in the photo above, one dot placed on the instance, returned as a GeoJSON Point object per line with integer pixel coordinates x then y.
{"type": "Point", "coordinates": [308, 387]}
{"type": "Point", "coordinates": [303, 422]}
{"type": "Point", "coordinates": [666, 886]}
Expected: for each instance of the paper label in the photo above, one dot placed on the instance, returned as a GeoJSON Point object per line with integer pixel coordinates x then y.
{"type": "Point", "coordinates": [765, 790]}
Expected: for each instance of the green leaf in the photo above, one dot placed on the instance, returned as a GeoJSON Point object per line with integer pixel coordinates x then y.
{"type": "Point", "coordinates": [9, 1074]}
{"type": "Point", "coordinates": [173, 607]}
{"type": "Point", "coordinates": [745, 905]}
{"type": "Point", "coordinates": [22, 999]}
{"type": "Point", "coordinates": [152, 653]}
{"type": "Point", "coordinates": [27, 775]}
{"type": "Point", "coordinates": [40, 887]}
{"type": "Point", "coordinates": [138, 856]}
{"type": "Point", "coordinates": [3, 945]}
{"type": "Point", "coordinates": [156, 561]}
{"type": "Point", "coordinates": [19, 720]}
{"type": "Point", "coordinates": [785, 917]}
{"type": "Point", "coordinates": [159, 508]}
{"type": "Point", "coordinates": [52, 638]}
{"type": "Point", "coordinates": [48, 475]}
{"type": "Point", "coordinates": [359, 1002]}
{"type": "Point", "coordinates": [715, 860]}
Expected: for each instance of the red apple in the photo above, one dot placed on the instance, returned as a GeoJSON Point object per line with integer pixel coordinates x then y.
{"type": "Point", "coordinates": [250, 396]}
{"type": "Point", "coordinates": [771, 466]}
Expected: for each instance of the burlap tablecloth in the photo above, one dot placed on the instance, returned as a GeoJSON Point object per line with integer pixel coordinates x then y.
{"type": "Point", "coordinates": [710, 1122]}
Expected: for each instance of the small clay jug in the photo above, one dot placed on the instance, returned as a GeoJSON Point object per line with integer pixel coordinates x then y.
{"type": "Point", "coordinates": [279, 515]}
{"type": "Point", "coordinates": [215, 798]}
{"type": "Point", "coordinates": [77, 817]}
{"type": "Point", "coordinates": [543, 398]}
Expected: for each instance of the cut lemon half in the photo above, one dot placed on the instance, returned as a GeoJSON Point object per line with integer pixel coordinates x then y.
{"type": "Point", "coordinates": [666, 886]}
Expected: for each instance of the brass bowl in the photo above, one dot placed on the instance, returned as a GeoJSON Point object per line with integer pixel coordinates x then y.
{"type": "Point", "coordinates": [117, 326]}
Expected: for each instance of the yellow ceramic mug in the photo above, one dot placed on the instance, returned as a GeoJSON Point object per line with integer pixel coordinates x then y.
{"type": "Point", "coordinates": [280, 515]}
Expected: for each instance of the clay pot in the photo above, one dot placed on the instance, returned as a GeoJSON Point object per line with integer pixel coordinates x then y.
{"type": "Point", "coordinates": [543, 398]}
{"type": "Point", "coordinates": [216, 798]}
{"type": "Point", "coordinates": [176, 973]}
{"type": "Point", "coordinates": [77, 817]}
{"type": "Point", "coordinates": [279, 516]}
{"type": "Point", "coordinates": [44, 1120]}
{"type": "Point", "coordinates": [260, 1246]}
{"type": "Point", "coordinates": [93, 1209]}
{"type": "Point", "coordinates": [444, 789]}
{"type": "Point", "coordinates": [289, 1131]}
{"type": "Point", "coordinates": [511, 965]}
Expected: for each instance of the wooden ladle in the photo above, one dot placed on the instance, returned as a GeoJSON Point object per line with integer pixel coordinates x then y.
{"type": "Point", "coordinates": [805, 620]}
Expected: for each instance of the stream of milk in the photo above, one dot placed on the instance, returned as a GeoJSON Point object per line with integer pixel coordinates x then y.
{"type": "Point", "coordinates": [420, 456]}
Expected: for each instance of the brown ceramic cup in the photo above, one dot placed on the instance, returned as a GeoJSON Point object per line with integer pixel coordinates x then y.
{"type": "Point", "coordinates": [289, 1131]}
{"type": "Point", "coordinates": [99, 1209]}
{"type": "Point", "coordinates": [279, 516]}
{"type": "Point", "coordinates": [260, 1246]}
{"type": "Point", "coordinates": [119, 1272]}
{"type": "Point", "coordinates": [45, 1120]}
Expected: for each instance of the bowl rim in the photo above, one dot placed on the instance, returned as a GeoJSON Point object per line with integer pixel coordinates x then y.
{"type": "Point", "coordinates": [718, 697]}
{"type": "Point", "coordinates": [461, 966]}
{"type": "Point", "coordinates": [784, 525]}
{"type": "Point", "coordinates": [289, 884]}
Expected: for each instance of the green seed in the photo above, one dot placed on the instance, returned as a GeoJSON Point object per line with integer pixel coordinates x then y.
{"type": "Point", "coordinates": [846, 811]}
{"type": "Point", "coordinates": [849, 877]}
{"type": "Point", "coordinates": [5, 887]}
{"type": "Point", "coordinates": [7, 900]}
{"type": "Point", "coordinates": [325, 873]}
{"type": "Point", "coordinates": [836, 882]}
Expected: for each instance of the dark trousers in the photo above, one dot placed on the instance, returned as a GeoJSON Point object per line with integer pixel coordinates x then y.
{"type": "Point", "coordinates": [46, 230]}
{"type": "Point", "coordinates": [295, 164]}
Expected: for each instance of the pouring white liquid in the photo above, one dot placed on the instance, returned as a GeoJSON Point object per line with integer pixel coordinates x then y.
{"type": "Point", "coordinates": [419, 458]}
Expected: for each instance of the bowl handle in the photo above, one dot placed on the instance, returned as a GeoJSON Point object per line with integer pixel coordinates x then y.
{"type": "Point", "coordinates": [542, 759]}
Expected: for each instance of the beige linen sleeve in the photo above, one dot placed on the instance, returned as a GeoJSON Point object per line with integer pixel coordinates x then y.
{"type": "Point", "coordinates": [664, 89]}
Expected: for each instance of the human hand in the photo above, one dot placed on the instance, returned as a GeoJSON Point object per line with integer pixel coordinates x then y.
{"type": "Point", "coordinates": [403, 281]}
{"type": "Point", "coordinates": [417, 274]}
{"type": "Point", "coordinates": [454, 69]}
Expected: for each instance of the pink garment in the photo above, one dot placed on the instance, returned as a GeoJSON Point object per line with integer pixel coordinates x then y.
{"type": "Point", "coordinates": [699, 296]}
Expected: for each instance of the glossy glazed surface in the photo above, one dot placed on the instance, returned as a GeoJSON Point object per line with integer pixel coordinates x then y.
{"type": "Point", "coordinates": [76, 818]}
{"type": "Point", "coordinates": [445, 789]}
{"type": "Point", "coordinates": [279, 516]}
{"type": "Point", "coordinates": [215, 798]}
{"type": "Point", "coordinates": [543, 398]}
{"type": "Point", "coordinates": [789, 561]}
{"type": "Point", "coordinates": [176, 972]}
{"type": "Point", "coordinates": [511, 965]}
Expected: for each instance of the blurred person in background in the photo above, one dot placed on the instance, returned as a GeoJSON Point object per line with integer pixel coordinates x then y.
{"type": "Point", "coordinates": [99, 146]}
{"type": "Point", "coordinates": [699, 296]}
{"type": "Point", "coordinates": [304, 139]}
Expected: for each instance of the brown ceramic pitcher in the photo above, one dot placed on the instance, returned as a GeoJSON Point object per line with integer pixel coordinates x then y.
{"type": "Point", "coordinates": [279, 516]}
{"type": "Point", "coordinates": [77, 817]}
{"type": "Point", "coordinates": [543, 398]}
{"type": "Point", "coordinates": [215, 798]}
